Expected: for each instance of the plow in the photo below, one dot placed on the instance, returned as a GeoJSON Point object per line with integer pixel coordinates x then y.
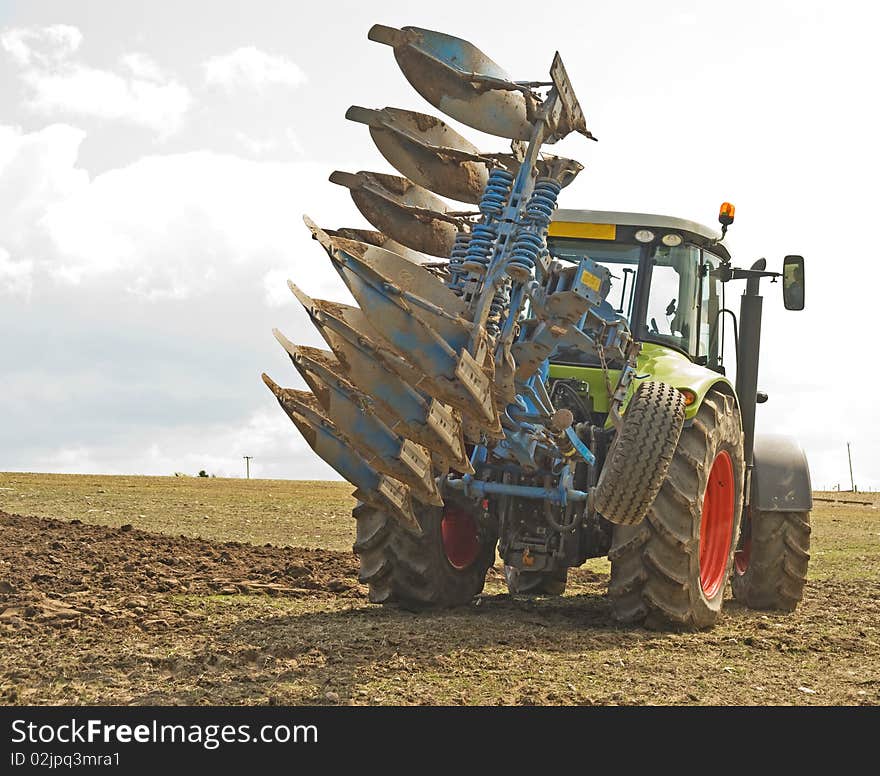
{"type": "Point", "coordinates": [546, 384]}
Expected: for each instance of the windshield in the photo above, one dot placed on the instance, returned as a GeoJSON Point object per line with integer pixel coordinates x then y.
{"type": "Point", "coordinates": [658, 289]}
{"type": "Point", "coordinates": [673, 297]}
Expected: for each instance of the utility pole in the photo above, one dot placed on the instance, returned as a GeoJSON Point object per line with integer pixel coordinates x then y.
{"type": "Point", "coordinates": [852, 482]}
{"type": "Point", "coordinates": [247, 463]}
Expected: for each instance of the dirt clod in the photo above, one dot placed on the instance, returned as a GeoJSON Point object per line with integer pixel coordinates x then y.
{"type": "Point", "coordinates": [111, 621]}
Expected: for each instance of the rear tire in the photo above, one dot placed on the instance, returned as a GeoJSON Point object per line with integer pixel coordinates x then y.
{"type": "Point", "coordinates": [427, 571]}
{"type": "Point", "coordinates": [535, 582]}
{"type": "Point", "coordinates": [640, 454]}
{"type": "Point", "coordinates": [770, 565]}
{"type": "Point", "coordinates": [671, 569]}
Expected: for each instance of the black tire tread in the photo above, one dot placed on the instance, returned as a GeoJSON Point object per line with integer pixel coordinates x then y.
{"type": "Point", "coordinates": [780, 555]}
{"type": "Point", "coordinates": [641, 453]}
{"type": "Point", "coordinates": [409, 570]}
{"type": "Point", "coordinates": [655, 565]}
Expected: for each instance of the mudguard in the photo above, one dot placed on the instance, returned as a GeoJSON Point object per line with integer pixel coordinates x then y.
{"type": "Point", "coordinates": [781, 476]}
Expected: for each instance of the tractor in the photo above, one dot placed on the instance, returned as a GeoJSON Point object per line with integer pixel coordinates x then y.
{"type": "Point", "coordinates": [545, 384]}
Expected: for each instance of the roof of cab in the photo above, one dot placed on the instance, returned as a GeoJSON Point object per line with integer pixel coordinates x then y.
{"type": "Point", "coordinates": [703, 234]}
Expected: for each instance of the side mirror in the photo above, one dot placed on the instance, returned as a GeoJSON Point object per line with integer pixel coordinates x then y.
{"type": "Point", "coordinates": [793, 282]}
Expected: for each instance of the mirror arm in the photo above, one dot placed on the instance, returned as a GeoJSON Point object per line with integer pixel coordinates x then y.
{"type": "Point", "coordinates": [733, 273]}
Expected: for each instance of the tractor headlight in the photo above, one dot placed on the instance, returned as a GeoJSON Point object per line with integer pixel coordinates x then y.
{"type": "Point", "coordinates": [644, 235]}
{"type": "Point", "coordinates": [672, 240]}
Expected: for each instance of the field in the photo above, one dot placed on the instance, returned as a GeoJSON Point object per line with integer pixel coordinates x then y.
{"type": "Point", "coordinates": [152, 590]}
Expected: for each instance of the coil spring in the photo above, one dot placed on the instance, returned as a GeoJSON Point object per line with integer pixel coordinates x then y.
{"type": "Point", "coordinates": [542, 203]}
{"type": "Point", "coordinates": [492, 203]}
{"type": "Point", "coordinates": [529, 243]}
{"type": "Point", "coordinates": [500, 303]}
{"type": "Point", "coordinates": [456, 259]}
{"type": "Point", "coordinates": [479, 248]}
{"type": "Point", "coordinates": [496, 193]}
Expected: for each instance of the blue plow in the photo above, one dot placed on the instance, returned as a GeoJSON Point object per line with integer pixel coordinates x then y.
{"type": "Point", "coordinates": [436, 383]}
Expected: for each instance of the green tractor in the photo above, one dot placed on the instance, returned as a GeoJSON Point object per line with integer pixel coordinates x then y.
{"type": "Point", "coordinates": [546, 384]}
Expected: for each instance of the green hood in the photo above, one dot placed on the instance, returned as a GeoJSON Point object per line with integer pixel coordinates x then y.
{"type": "Point", "coordinates": [655, 362]}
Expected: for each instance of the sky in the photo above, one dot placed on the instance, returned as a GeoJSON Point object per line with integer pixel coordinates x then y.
{"type": "Point", "coordinates": [156, 160]}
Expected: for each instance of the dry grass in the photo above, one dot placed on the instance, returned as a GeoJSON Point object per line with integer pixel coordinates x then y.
{"type": "Point", "coordinates": [331, 648]}
{"type": "Point", "coordinates": [282, 512]}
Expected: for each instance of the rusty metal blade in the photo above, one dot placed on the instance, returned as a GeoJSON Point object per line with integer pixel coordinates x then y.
{"type": "Point", "coordinates": [354, 414]}
{"type": "Point", "coordinates": [325, 439]}
{"type": "Point", "coordinates": [384, 377]}
{"type": "Point", "coordinates": [408, 213]}
{"type": "Point", "coordinates": [393, 269]}
{"type": "Point", "coordinates": [427, 151]}
{"type": "Point", "coordinates": [380, 241]}
{"type": "Point", "coordinates": [426, 336]}
{"type": "Point", "coordinates": [459, 79]}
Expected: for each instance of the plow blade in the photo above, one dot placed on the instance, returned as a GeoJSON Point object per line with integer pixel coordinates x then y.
{"type": "Point", "coordinates": [417, 284]}
{"type": "Point", "coordinates": [431, 154]}
{"type": "Point", "coordinates": [380, 241]}
{"type": "Point", "coordinates": [427, 151]}
{"type": "Point", "coordinates": [406, 212]}
{"type": "Point", "coordinates": [325, 439]}
{"type": "Point", "coordinates": [385, 280]}
{"type": "Point", "coordinates": [354, 414]}
{"type": "Point", "coordinates": [460, 80]}
{"type": "Point", "coordinates": [421, 320]}
{"type": "Point", "coordinates": [387, 380]}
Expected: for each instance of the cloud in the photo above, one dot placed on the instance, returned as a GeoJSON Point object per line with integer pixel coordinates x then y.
{"type": "Point", "coordinates": [56, 83]}
{"type": "Point", "coordinates": [43, 46]}
{"type": "Point", "coordinates": [149, 291]}
{"type": "Point", "coordinates": [37, 171]}
{"type": "Point", "coordinates": [142, 66]}
{"type": "Point", "coordinates": [180, 226]}
{"type": "Point", "coordinates": [217, 448]}
{"type": "Point", "coordinates": [15, 276]}
{"type": "Point", "coordinates": [249, 67]}
{"type": "Point", "coordinates": [165, 227]}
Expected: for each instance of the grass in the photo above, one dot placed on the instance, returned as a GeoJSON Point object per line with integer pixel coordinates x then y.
{"type": "Point", "coordinates": [282, 512]}
{"type": "Point", "coordinates": [323, 648]}
{"type": "Point", "coordinates": [846, 538]}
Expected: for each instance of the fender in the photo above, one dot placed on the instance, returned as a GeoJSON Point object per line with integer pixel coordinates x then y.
{"type": "Point", "coordinates": [781, 476]}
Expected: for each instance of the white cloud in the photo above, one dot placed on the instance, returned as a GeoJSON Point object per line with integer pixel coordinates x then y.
{"type": "Point", "coordinates": [178, 226]}
{"type": "Point", "coordinates": [294, 141]}
{"type": "Point", "coordinates": [42, 46]}
{"type": "Point", "coordinates": [164, 227]}
{"type": "Point", "coordinates": [250, 67]}
{"type": "Point", "coordinates": [277, 448]}
{"type": "Point", "coordinates": [59, 84]}
{"type": "Point", "coordinates": [37, 170]}
{"type": "Point", "coordinates": [15, 276]}
{"type": "Point", "coordinates": [275, 286]}
{"type": "Point", "coordinates": [142, 66]}
{"type": "Point", "coordinates": [254, 145]}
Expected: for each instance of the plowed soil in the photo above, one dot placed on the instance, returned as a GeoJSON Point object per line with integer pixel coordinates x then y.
{"type": "Point", "coordinates": [115, 614]}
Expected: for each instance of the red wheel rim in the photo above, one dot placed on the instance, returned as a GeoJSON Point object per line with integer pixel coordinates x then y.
{"type": "Point", "coordinates": [461, 540]}
{"type": "Point", "coordinates": [743, 553]}
{"type": "Point", "coordinates": [716, 525]}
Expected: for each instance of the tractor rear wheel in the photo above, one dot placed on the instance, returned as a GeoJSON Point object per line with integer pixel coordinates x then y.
{"type": "Point", "coordinates": [443, 567]}
{"type": "Point", "coordinates": [640, 454]}
{"type": "Point", "coordinates": [535, 582]}
{"type": "Point", "coordinates": [671, 569]}
{"type": "Point", "coordinates": [770, 564]}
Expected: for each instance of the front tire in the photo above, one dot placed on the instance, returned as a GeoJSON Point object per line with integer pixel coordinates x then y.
{"type": "Point", "coordinates": [770, 565]}
{"type": "Point", "coordinates": [671, 569]}
{"type": "Point", "coordinates": [641, 453]}
{"type": "Point", "coordinates": [444, 567]}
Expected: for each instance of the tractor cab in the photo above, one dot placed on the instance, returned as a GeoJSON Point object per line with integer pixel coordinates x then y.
{"type": "Point", "coordinates": [666, 278]}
